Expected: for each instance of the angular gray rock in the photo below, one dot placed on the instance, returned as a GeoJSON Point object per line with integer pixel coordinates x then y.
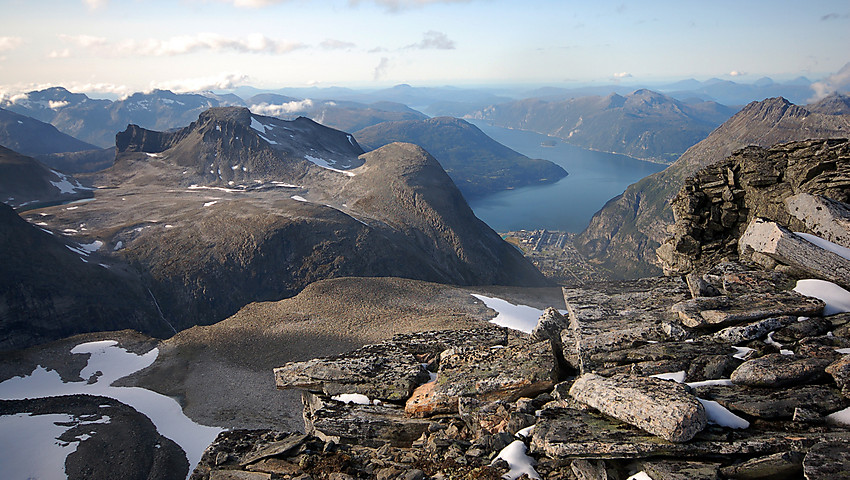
{"type": "Point", "coordinates": [823, 216]}
{"type": "Point", "coordinates": [738, 334]}
{"type": "Point", "coordinates": [714, 312]}
{"type": "Point", "coordinates": [808, 327]}
{"type": "Point", "coordinates": [568, 433]}
{"type": "Point", "coordinates": [840, 372]}
{"type": "Point", "coordinates": [777, 466]}
{"type": "Point", "coordinates": [680, 470]}
{"type": "Point", "coordinates": [769, 403]}
{"type": "Point", "coordinates": [380, 371]}
{"type": "Point", "coordinates": [660, 407]}
{"type": "Point", "coordinates": [608, 316]}
{"type": "Point", "coordinates": [777, 370]}
{"type": "Point", "coordinates": [780, 244]}
{"type": "Point", "coordinates": [370, 425]}
{"type": "Point", "coordinates": [486, 374]}
{"type": "Point", "coordinates": [828, 461]}
{"type": "Point", "coordinates": [386, 371]}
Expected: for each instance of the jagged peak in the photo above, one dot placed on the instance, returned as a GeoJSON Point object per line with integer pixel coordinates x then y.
{"type": "Point", "coordinates": [833, 104]}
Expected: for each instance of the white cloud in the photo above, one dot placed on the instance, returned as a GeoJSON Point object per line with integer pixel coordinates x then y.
{"type": "Point", "coordinates": [85, 41]}
{"type": "Point", "coordinates": [184, 44]}
{"type": "Point", "coordinates": [18, 92]}
{"type": "Point", "coordinates": [276, 110]}
{"type": "Point", "coordinates": [180, 45]}
{"type": "Point", "coordinates": [381, 68]}
{"type": "Point", "coordinates": [64, 53]}
{"type": "Point", "coordinates": [837, 82]}
{"type": "Point", "coordinates": [398, 5]}
{"type": "Point", "coordinates": [736, 73]}
{"type": "Point", "coordinates": [333, 44]}
{"type": "Point", "coordinates": [621, 75]}
{"type": "Point", "coordinates": [10, 43]}
{"type": "Point", "coordinates": [434, 40]}
{"type": "Point", "coordinates": [56, 105]}
{"type": "Point", "coordinates": [223, 81]}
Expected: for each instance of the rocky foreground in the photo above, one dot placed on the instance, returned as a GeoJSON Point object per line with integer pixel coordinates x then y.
{"type": "Point", "coordinates": [621, 384]}
{"type": "Point", "coordinates": [722, 371]}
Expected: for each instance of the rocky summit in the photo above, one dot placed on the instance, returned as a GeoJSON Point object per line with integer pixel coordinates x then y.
{"type": "Point", "coordinates": [726, 372]}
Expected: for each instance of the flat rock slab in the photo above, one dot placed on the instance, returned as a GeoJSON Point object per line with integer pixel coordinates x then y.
{"type": "Point", "coordinates": [380, 371]}
{"type": "Point", "coordinates": [487, 374]}
{"type": "Point", "coordinates": [368, 425]}
{"type": "Point", "coordinates": [738, 334]}
{"type": "Point", "coordinates": [778, 465]}
{"type": "Point", "coordinates": [653, 352]}
{"type": "Point", "coordinates": [768, 403]}
{"type": "Point", "coordinates": [609, 316]}
{"type": "Point", "coordinates": [776, 370]}
{"type": "Point", "coordinates": [387, 371]}
{"type": "Point", "coordinates": [828, 461]}
{"type": "Point", "coordinates": [567, 433]}
{"type": "Point", "coordinates": [674, 470]}
{"type": "Point", "coordinates": [840, 371]}
{"type": "Point", "coordinates": [722, 311]}
{"type": "Point", "coordinates": [660, 407]}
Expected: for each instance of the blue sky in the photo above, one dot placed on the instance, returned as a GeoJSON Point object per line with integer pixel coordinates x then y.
{"type": "Point", "coordinates": [131, 45]}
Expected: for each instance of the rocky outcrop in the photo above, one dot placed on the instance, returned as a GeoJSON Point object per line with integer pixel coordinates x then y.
{"type": "Point", "coordinates": [716, 206]}
{"type": "Point", "coordinates": [649, 392]}
{"type": "Point", "coordinates": [26, 183]}
{"type": "Point", "coordinates": [624, 235]}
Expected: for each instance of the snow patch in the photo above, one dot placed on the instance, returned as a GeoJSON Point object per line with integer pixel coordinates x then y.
{"type": "Point", "coordinates": [326, 165]}
{"type": "Point", "coordinates": [723, 382]}
{"type": "Point", "coordinates": [518, 460]}
{"type": "Point", "coordinates": [299, 198]}
{"type": "Point", "coordinates": [836, 298]}
{"type": "Point", "coordinates": [113, 362]}
{"type": "Point", "coordinates": [640, 476]}
{"type": "Point", "coordinates": [517, 317]}
{"type": "Point", "coordinates": [91, 247]}
{"type": "Point", "coordinates": [64, 185]}
{"type": "Point", "coordinates": [526, 432]}
{"type": "Point", "coordinates": [209, 204]}
{"type": "Point", "coordinates": [743, 352]}
{"type": "Point", "coordinates": [678, 377]}
{"type": "Point", "coordinates": [843, 351]}
{"type": "Point", "coordinates": [355, 398]}
{"type": "Point", "coordinates": [720, 415]}
{"type": "Point", "coordinates": [259, 127]}
{"type": "Point", "coordinates": [841, 417]}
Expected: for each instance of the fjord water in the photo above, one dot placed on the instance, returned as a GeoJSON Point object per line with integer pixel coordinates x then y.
{"type": "Point", "coordinates": [594, 178]}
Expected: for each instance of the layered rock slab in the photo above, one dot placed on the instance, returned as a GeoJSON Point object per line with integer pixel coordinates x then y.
{"type": "Point", "coordinates": [486, 374]}
{"type": "Point", "coordinates": [778, 370]}
{"type": "Point", "coordinates": [722, 311]}
{"type": "Point", "coordinates": [660, 407]}
{"type": "Point", "coordinates": [609, 316]}
{"type": "Point", "coordinates": [387, 371]}
{"type": "Point", "coordinates": [771, 239]}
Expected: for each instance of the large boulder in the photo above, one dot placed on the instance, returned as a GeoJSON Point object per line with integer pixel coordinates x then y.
{"type": "Point", "coordinates": [661, 407]}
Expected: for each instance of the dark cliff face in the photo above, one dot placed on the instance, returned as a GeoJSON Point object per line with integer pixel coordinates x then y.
{"type": "Point", "coordinates": [623, 236]}
{"type": "Point", "coordinates": [50, 288]}
{"type": "Point", "coordinates": [715, 205]}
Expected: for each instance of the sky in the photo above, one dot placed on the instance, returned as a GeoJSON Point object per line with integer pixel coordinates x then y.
{"type": "Point", "coordinates": [123, 46]}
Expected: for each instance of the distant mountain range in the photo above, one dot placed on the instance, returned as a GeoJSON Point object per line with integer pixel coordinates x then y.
{"type": "Point", "coordinates": [478, 164]}
{"type": "Point", "coordinates": [343, 115]}
{"type": "Point", "coordinates": [643, 124]}
{"type": "Point", "coordinates": [623, 236]}
{"type": "Point", "coordinates": [238, 207]}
